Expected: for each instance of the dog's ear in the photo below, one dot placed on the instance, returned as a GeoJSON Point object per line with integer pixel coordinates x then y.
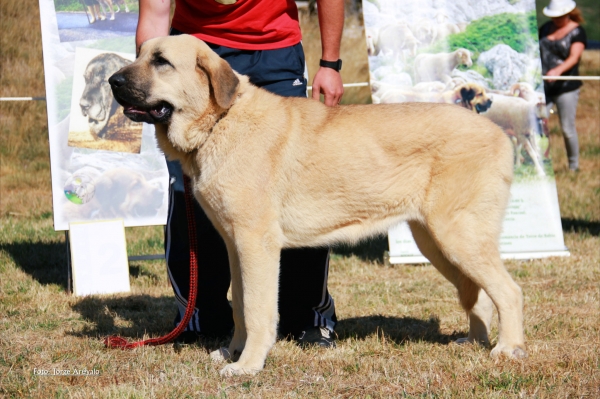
{"type": "Point", "coordinates": [467, 95]}
{"type": "Point", "coordinates": [223, 81]}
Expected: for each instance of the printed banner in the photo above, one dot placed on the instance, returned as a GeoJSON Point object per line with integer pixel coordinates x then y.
{"type": "Point", "coordinates": [482, 55]}
{"type": "Point", "coordinates": [104, 166]}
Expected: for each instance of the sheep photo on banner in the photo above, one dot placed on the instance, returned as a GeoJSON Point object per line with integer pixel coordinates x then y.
{"type": "Point", "coordinates": [483, 56]}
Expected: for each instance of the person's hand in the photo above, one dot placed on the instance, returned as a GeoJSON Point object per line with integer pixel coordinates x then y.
{"type": "Point", "coordinates": [328, 82]}
{"type": "Point", "coordinates": [553, 72]}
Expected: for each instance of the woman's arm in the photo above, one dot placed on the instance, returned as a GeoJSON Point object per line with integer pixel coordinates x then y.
{"type": "Point", "coordinates": [573, 58]}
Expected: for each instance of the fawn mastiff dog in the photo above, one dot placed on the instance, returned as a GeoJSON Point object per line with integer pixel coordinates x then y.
{"type": "Point", "coordinates": [274, 172]}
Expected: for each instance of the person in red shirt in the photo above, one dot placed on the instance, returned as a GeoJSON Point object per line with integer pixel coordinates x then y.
{"type": "Point", "coordinates": [261, 39]}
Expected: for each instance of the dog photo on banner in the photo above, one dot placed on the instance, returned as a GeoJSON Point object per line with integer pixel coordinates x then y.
{"type": "Point", "coordinates": [482, 56]}
{"type": "Point", "coordinates": [104, 166]}
{"type": "Point", "coordinates": [97, 120]}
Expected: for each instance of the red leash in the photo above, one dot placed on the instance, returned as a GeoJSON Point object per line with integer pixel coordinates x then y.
{"type": "Point", "coordinates": [114, 341]}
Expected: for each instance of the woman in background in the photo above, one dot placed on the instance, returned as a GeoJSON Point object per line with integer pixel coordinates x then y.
{"type": "Point", "coordinates": [562, 41]}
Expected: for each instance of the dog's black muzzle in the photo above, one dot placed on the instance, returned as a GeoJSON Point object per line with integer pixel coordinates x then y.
{"type": "Point", "coordinates": [134, 107]}
{"type": "Point", "coordinates": [483, 107]}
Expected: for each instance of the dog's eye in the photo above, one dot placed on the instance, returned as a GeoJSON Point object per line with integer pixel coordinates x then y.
{"type": "Point", "coordinates": [159, 60]}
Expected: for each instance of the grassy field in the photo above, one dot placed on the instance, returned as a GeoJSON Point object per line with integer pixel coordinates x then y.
{"type": "Point", "coordinates": [396, 325]}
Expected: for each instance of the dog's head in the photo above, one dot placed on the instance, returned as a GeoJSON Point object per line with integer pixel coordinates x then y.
{"type": "Point", "coordinates": [97, 102]}
{"type": "Point", "coordinates": [463, 57]}
{"type": "Point", "coordinates": [179, 82]}
{"type": "Point", "coordinates": [473, 96]}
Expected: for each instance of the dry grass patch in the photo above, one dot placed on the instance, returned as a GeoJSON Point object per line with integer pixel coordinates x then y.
{"type": "Point", "coordinates": [395, 338]}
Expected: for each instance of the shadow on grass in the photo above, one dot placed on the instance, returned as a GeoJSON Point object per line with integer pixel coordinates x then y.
{"type": "Point", "coordinates": [142, 314]}
{"type": "Point", "coordinates": [371, 250]}
{"type": "Point", "coordinates": [581, 226]}
{"type": "Point", "coordinates": [397, 329]}
{"type": "Point", "coordinates": [45, 262]}
{"type": "Point", "coordinates": [134, 317]}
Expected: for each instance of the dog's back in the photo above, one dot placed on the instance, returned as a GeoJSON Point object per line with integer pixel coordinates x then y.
{"type": "Point", "coordinates": [351, 171]}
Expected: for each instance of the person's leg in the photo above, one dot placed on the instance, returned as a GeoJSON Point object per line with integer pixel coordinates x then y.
{"type": "Point", "coordinates": [92, 14]}
{"type": "Point", "coordinates": [305, 306]}
{"type": "Point", "coordinates": [213, 315]}
{"type": "Point", "coordinates": [304, 300]}
{"type": "Point", "coordinates": [567, 110]}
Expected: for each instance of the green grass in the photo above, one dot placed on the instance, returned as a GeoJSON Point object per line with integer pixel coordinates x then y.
{"type": "Point", "coordinates": [519, 31]}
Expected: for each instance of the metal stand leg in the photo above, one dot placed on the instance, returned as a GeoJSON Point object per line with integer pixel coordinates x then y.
{"type": "Point", "coordinates": [69, 276]}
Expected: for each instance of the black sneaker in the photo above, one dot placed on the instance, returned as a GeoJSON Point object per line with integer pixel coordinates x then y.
{"type": "Point", "coordinates": [188, 337]}
{"type": "Point", "coordinates": [192, 337]}
{"type": "Point", "coordinates": [316, 336]}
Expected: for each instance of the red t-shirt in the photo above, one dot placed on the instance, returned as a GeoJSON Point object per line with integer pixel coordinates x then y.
{"type": "Point", "coordinates": [244, 25]}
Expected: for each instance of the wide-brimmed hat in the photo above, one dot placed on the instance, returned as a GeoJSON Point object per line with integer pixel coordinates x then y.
{"type": "Point", "coordinates": [558, 8]}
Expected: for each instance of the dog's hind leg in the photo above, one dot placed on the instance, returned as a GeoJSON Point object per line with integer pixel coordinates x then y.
{"type": "Point", "coordinates": [480, 320]}
{"type": "Point", "coordinates": [474, 300]}
{"type": "Point", "coordinates": [468, 239]}
{"type": "Point", "coordinates": [254, 289]}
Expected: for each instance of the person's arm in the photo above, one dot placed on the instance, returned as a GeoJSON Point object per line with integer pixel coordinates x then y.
{"type": "Point", "coordinates": [573, 58]}
{"type": "Point", "coordinates": [153, 21]}
{"type": "Point", "coordinates": [327, 81]}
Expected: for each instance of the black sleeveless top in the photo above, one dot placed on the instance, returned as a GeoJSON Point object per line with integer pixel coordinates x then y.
{"type": "Point", "coordinates": [555, 52]}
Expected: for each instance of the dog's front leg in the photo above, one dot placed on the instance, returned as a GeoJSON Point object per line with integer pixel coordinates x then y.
{"type": "Point", "coordinates": [255, 293]}
{"type": "Point", "coordinates": [238, 342]}
{"type": "Point", "coordinates": [239, 336]}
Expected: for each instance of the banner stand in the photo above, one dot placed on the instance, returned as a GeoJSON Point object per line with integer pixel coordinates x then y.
{"type": "Point", "coordinates": [416, 259]}
{"type": "Point", "coordinates": [98, 257]}
{"type": "Point", "coordinates": [435, 52]}
{"type": "Point", "coordinates": [122, 176]}
{"type": "Point", "coordinates": [69, 275]}
{"type": "Point", "coordinates": [133, 258]}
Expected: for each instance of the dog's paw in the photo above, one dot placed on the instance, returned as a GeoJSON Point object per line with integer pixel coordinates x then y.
{"type": "Point", "coordinates": [512, 352]}
{"type": "Point", "coordinates": [236, 369]}
{"type": "Point", "coordinates": [220, 355]}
